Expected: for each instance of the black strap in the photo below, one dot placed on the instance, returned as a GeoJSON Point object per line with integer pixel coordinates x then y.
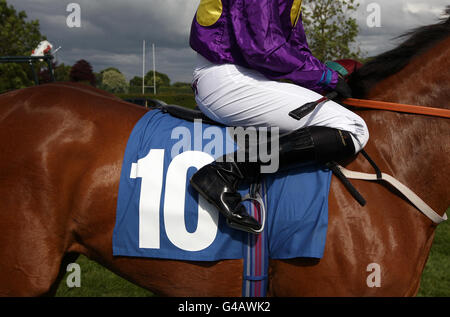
{"type": "Point", "coordinates": [375, 167]}
{"type": "Point", "coordinates": [255, 188]}
{"type": "Point", "coordinates": [336, 171]}
{"type": "Point", "coordinates": [353, 191]}
{"type": "Point", "coordinates": [187, 114]}
{"type": "Point", "coordinates": [309, 107]}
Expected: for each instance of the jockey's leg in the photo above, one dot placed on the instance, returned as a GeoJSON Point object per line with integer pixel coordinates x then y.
{"type": "Point", "coordinates": [236, 96]}
{"type": "Point", "coordinates": [218, 182]}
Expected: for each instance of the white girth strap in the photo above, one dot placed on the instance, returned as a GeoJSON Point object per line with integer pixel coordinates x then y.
{"type": "Point", "coordinates": [408, 193]}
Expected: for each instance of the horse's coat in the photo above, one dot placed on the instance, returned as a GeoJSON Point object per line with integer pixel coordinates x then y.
{"type": "Point", "coordinates": [61, 153]}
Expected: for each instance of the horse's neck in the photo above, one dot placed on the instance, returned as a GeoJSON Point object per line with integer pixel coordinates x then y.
{"type": "Point", "coordinates": [415, 148]}
{"type": "Point", "coordinates": [424, 81]}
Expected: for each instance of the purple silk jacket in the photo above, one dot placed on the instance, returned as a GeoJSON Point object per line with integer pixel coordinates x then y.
{"type": "Point", "coordinates": [265, 35]}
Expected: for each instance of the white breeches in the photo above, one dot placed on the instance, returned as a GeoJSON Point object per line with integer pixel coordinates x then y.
{"type": "Point", "coordinates": [237, 96]}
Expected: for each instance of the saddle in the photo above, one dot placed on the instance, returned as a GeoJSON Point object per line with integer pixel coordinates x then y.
{"type": "Point", "coordinates": [187, 114]}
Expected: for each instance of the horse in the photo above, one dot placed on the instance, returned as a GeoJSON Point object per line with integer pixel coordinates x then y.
{"type": "Point", "coordinates": [62, 147]}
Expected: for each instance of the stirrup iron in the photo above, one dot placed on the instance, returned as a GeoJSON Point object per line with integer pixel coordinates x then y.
{"type": "Point", "coordinates": [259, 200]}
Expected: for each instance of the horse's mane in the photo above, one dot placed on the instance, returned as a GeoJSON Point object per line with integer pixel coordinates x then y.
{"type": "Point", "coordinates": [388, 63]}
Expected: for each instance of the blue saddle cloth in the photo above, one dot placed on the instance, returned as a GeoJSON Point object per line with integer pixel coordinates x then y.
{"type": "Point", "coordinates": [159, 215]}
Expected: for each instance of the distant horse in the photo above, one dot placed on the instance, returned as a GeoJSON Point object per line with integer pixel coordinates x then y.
{"type": "Point", "coordinates": [61, 153]}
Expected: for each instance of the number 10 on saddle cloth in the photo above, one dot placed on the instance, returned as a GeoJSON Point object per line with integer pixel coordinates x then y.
{"type": "Point", "coordinates": [160, 216]}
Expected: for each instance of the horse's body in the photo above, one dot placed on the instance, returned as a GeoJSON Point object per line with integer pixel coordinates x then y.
{"type": "Point", "coordinates": [61, 153]}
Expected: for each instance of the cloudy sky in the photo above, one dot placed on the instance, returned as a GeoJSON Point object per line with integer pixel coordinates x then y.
{"type": "Point", "coordinates": [112, 31]}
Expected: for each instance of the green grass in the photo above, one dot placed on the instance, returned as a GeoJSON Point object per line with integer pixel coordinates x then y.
{"type": "Point", "coordinates": [436, 277]}
{"type": "Point", "coordinates": [186, 100]}
{"type": "Point", "coordinates": [97, 281]}
{"type": "Point", "coordinates": [174, 98]}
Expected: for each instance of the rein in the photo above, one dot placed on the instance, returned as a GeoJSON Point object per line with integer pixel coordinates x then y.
{"type": "Point", "coordinates": [382, 105]}
{"type": "Point", "coordinates": [343, 173]}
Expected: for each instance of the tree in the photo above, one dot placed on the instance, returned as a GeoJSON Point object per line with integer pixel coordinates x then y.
{"type": "Point", "coordinates": [44, 74]}
{"type": "Point", "coordinates": [135, 85]}
{"type": "Point", "coordinates": [330, 29]}
{"type": "Point", "coordinates": [111, 68]}
{"type": "Point", "coordinates": [61, 72]}
{"type": "Point", "coordinates": [114, 82]}
{"type": "Point", "coordinates": [17, 38]}
{"type": "Point", "coordinates": [99, 78]}
{"type": "Point", "coordinates": [82, 72]}
{"type": "Point", "coordinates": [162, 80]}
{"type": "Point", "coordinates": [181, 85]}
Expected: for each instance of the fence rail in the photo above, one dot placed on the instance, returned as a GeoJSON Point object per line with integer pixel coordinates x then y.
{"type": "Point", "coordinates": [31, 60]}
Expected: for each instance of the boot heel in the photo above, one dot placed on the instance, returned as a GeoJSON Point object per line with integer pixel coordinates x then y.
{"type": "Point", "coordinates": [238, 226]}
{"type": "Point", "coordinates": [221, 192]}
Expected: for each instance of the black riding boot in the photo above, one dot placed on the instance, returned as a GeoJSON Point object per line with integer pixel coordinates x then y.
{"type": "Point", "coordinates": [218, 182]}
{"type": "Point", "coordinates": [320, 144]}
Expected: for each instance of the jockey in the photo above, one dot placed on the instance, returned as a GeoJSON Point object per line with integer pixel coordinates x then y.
{"type": "Point", "coordinates": [245, 47]}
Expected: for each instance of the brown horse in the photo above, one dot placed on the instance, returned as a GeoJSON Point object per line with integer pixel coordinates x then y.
{"type": "Point", "coordinates": [61, 153]}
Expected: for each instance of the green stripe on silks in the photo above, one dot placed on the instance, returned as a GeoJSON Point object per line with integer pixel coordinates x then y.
{"type": "Point", "coordinates": [337, 67]}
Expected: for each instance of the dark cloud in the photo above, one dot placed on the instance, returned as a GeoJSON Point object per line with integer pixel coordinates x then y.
{"type": "Point", "coordinates": [112, 31]}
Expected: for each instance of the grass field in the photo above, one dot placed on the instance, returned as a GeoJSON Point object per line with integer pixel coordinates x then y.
{"type": "Point", "coordinates": [436, 276]}
{"type": "Point", "coordinates": [172, 98]}
{"type": "Point", "coordinates": [99, 282]}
